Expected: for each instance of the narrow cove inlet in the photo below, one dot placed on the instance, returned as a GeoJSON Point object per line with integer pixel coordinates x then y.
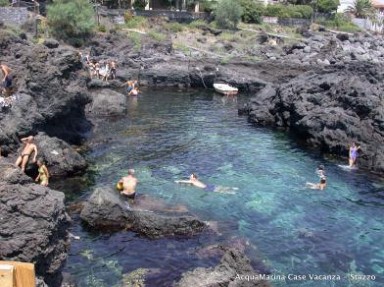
{"type": "Point", "coordinates": [292, 235]}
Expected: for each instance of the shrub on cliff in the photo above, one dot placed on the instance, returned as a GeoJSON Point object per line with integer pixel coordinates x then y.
{"type": "Point", "coordinates": [251, 11]}
{"type": "Point", "coordinates": [4, 3]}
{"type": "Point", "coordinates": [327, 6]}
{"type": "Point", "coordinates": [228, 14]}
{"type": "Point", "coordinates": [71, 20]}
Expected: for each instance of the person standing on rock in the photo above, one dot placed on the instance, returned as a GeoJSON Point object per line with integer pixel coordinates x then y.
{"type": "Point", "coordinates": [6, 82]}
{"type": "Point", "coordinates": [43, 176]}
{"type": "Point", "coordinates": [29, 148]}
{"type": "Point", "coordinates": [129, 183]}
{"type": "Point", "coordinates": [353, 154]}
{"type": "Point", "coordinates": [113, 69]}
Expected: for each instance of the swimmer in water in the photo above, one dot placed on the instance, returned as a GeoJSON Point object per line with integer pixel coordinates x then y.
{"type": "Point", "coordinates": [320, 171]}
{"type": "Point", "coordinates": [193, 180]}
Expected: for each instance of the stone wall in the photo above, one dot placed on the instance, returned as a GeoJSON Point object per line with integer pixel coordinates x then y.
{"type": "Point", "coordinates": [14, 15]}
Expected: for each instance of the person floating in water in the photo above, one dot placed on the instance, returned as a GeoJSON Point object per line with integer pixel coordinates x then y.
{"type": "Point", "coordinates": [193, 180]}
{"type": "Point", "coordinates": [320, 171]}
{"type": "Point", "coordinates": [128, 183]}
{"type": "Point", "coordinates": [43, 173]}
{"type": "Point", "coordinates": [29, 148]}
{"type": "Point", "coordinates": [353, 154]}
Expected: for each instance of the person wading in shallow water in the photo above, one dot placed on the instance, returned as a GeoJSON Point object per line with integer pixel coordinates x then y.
{"type": "Point", "coordinates": [129, 183]}
{"type": "Point", "coordinates": [29, 148]}
{"type": "Point", "coordinates": [353, 154]}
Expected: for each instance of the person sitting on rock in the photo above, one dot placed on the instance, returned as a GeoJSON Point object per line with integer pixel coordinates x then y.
{"type": "Point", "coordinates": [43, 176]}
{"type": "Point", "coordinates": [129, 183]}
{"type": "Point", "coordinates": [29, 147]}
{"type": "Point", "coordinates": [7, 80]}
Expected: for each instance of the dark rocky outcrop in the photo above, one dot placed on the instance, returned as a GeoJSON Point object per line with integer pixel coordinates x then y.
{"type": "Point", "coordinates": [105, 210]}
{"type": "Point", "coordinates": [51, 89]}
{"type": "Point", "coordinates": [330, 110]}
{"type": "Point", "coordinates": [33, 225]}
{"type": "Point", "coordinates": [107, 102]}
{"type": "Point", "coordinates": [61, 158]}
{"type": "Point", "coordinates": [232, 271]}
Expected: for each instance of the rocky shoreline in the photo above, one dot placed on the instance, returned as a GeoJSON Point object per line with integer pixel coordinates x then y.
{"type": "Point", "coordinates": [326, 89]}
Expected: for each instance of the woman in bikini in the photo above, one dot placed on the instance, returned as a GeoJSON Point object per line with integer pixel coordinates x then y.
{"type": "Point", "coordinates": [43, 173]}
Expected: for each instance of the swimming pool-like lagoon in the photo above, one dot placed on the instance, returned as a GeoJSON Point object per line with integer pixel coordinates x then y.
{"type": "Point", "coordinates": [289, 230]}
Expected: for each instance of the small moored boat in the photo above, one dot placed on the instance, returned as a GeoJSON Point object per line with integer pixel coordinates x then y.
{"type": "Point", "coordinates": [225, 89]}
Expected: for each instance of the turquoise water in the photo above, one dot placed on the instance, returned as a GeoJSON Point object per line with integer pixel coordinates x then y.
{"type": "Point", "coordinates": [288, 229]}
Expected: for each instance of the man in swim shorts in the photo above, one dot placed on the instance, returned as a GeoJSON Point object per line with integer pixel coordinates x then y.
{"type": "Point", "coordinates": [29, 148]}
{"type": "Point", "coordinates": [129, 185]}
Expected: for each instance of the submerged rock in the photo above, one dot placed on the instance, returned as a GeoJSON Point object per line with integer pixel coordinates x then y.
{"type": "Point", "coordinates": [33, 224]}
{"type": "Point", "coordinates": [233, 266]}
{"type": "Point", "coordinates": [106, 210]}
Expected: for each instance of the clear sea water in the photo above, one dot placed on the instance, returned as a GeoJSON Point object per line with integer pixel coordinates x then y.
{"type": "Point", "coordinates": [288, 229]}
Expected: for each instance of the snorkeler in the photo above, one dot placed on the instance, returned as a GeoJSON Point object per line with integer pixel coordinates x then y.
{"type": "Point", "coordinates": [320, 171]}
{"type": "Point", "coordinates": [193, 180]}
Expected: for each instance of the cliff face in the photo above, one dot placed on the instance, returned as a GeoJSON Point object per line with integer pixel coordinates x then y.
{"type": "Point", "coordinates": [50, 96]}
{"type": "Point", "coordinates": [50, 86]}
{"type": "Point", "coordinates": [330, 110]}
{"type": "Point", "coordinates": [33, 225]}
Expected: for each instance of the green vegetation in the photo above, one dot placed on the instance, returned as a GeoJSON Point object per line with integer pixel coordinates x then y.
{"type": "Point", "coordinates": [137, 22]}
{"type": "Point", "coordinates": [136, 40]}
{"type": "Point", "coordinates": [251, 11]}
{"type": "Point", "coordinates": [71, 20]}
{"type": "Point", "coordinates": [174, 27]}
{"type": "Point", "coordinates": [157, 36]}
{"type": "Point", "coordinates": [327, 6]}
{"type": "Point", "coordinates": [288, 11]}
{"type": "Point", "coordinates": [140, 4]}
{"type": "Point", "coordinates": [360, 8]}
{"type": "Point", "coordinates": [4, 3]}
{"type": "Point", "coordinates": [228, 14]}
{"type": "Point", "coordinates": [341, 23]}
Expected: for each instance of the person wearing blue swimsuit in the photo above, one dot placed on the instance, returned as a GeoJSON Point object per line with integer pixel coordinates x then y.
{"type": "Point", "coordinates": [353, 154]}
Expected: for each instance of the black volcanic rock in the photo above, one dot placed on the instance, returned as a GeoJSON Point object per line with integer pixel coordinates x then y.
{"type": "Point", "coordinates": [33, 225]}
{"type": "Point", "coordinates": [330, 110]}
{"type": "Point", "coordinates": [105, 210]}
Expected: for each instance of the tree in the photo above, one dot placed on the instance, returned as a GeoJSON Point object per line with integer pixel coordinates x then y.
{"type": "Point", "coordinates": [327, 6]}
{"type": "Point", "coordinates": [228, 14]}
{"type": "Point", "coordinates": [71, 20]}
{"type": "Point", "coordinates": [360, 8]}
{"type": "Point", "coordinates": [251, 11]}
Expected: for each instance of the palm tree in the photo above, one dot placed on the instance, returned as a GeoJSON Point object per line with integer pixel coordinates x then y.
{"type": "Point", "coordinates": [360, 8]}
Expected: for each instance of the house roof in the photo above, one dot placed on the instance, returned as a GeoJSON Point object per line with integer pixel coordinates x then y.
{"type": "Point", "coordinates": [377, 3]}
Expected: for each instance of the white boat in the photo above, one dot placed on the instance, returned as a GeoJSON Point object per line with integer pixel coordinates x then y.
{"type": "Point", "coordinates": [225, 89]}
